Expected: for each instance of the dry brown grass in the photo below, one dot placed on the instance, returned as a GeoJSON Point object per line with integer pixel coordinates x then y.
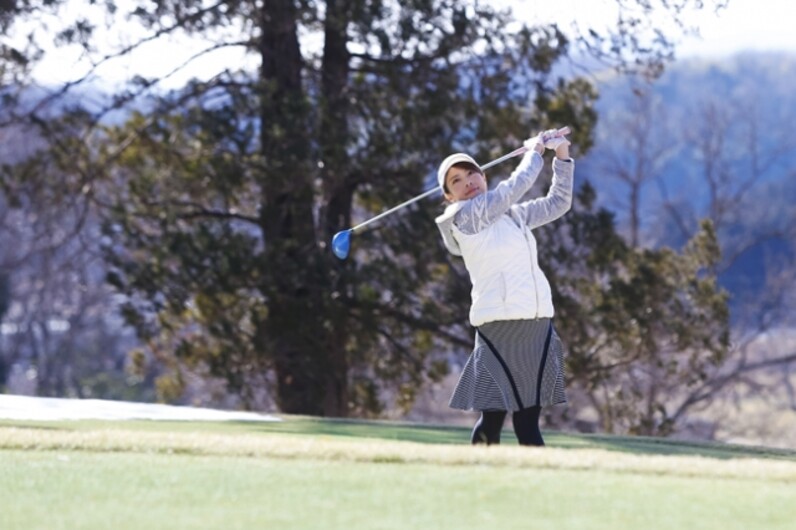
{"type": "Point", "coordinates": [283, 446]}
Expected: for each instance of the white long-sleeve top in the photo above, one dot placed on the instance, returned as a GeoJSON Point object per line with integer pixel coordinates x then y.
{"type": "Point", "coordinates": [493, 233]}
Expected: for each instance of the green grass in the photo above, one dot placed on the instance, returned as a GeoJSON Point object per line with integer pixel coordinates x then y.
{"type": "Point", "coordinates": [311, 473]}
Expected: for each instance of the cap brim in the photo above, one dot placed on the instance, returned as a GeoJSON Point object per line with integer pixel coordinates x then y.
{"type": "Point", "coordinates": [449, 162]}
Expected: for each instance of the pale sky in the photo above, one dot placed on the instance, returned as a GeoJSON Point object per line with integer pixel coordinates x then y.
{"type": "Point", "coordinates": [743, 25]}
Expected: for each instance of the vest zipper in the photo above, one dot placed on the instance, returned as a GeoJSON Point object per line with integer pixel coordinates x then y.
{"type": "Point", "coordinates": [533, 270]}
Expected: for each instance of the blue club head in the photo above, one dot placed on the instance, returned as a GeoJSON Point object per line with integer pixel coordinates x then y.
{"type": "Point", "coordinates": [341, 243]}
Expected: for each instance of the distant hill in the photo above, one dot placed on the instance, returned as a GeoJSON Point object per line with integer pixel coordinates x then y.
{"type": "Point", "coordinates": [750, 93]}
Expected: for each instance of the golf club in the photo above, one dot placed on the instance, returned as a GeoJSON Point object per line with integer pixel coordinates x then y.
{"type": "Point", "coordinates": [341, 242]}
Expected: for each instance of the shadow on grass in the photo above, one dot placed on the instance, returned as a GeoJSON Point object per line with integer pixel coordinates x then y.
{"type": "Point", "coordinates": [663, 446]}
{"type": "Point", "coordinates": [422, 433]}
{"type": "Point", "coordinates": [30, 424]}
{"type": "Point", "coordinates": [383, 430]}
{"type": "Point", "coordinates": [438, 434]}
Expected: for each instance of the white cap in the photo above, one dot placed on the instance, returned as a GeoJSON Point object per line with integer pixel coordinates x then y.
{"type": "Point", "coordinates": [449, 162]}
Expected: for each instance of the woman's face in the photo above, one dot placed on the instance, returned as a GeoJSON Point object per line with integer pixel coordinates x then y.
{"type": "Point", "coordinates": [464, 183]}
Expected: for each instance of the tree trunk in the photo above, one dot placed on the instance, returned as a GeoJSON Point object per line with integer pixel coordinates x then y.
{"type": "Point", "coordinates": [286, 216]}
{"type": "Point", "coordinates": [299, 330]}
{"type": "Point", "coordinates": [338, 194]}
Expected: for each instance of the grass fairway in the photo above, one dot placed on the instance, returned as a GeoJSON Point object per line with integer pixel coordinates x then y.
{"type": "Point", "coordinates": [310, 473]}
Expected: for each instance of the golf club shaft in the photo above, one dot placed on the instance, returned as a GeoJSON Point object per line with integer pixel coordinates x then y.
{"type": "Point", "coordinates": [394, 208]}
{"type": "Point", "coordinates": [516, 152]}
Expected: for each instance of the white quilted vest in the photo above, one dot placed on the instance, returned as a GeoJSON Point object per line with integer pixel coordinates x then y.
{"type": "Point", "coordinates": [504, 270]}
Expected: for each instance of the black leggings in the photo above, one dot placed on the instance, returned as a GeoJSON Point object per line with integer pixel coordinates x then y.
{"type": "Point", "coordinates": [526, 427]}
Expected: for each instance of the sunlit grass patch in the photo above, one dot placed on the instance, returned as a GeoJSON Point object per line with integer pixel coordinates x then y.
{"type": "Point", "coordinates": [372, 450]}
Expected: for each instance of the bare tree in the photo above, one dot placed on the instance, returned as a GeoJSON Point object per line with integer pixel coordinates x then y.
{"type": "Point", "coordinates": [736, 157]}
{"type": "Point", "coordinates": [61, 327]}
{"type": "Point", "coordinates": [636, 141]}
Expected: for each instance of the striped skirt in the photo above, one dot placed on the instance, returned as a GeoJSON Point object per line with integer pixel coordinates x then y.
{"type": "Point", "coordinates": [515, 364]}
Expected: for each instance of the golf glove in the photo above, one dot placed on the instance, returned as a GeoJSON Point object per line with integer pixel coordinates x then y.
{"type": "Point", "coordinates": [552, 139]}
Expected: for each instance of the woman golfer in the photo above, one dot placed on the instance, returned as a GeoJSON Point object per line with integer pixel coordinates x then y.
{"type": "Point", "coordinates": [517, 362]}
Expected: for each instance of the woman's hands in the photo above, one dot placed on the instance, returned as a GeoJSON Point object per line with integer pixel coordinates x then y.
{"type": "Point", "coordinates": [562, 149]}
{"type": "Point", "coordinates": [554, 139]}
{"type": "Point", "coordinates": [550, 139]}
